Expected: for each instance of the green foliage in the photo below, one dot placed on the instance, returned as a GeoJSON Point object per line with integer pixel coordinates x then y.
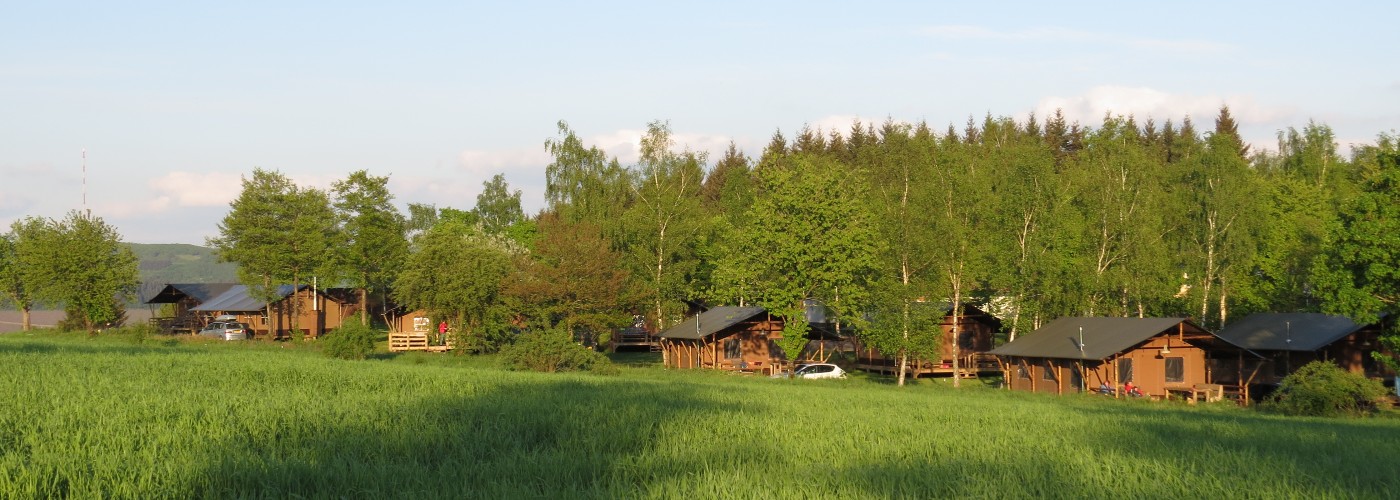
{"type": "Point", "coordinates": [553, 350]}
{"type": "Point", "coordinates": [21, 254]}
{"type": "Point", "coordinates": [351, 341]}
{"type": "Point", "coordinates": [79, 262]}
{"type": "Point", "coordinates": [810, 235]}
{"type": "Point", "coordinates": [455, 272]}
{"type": "Point", "coordinates": [664, 223]}
{"type": "Point", "coordinates": [572, 280]}
{"type": "Point", "coordinates": [1323, 389]}
{"type": "Point", "coordinates": [372, 244]}
{"type": "Point", "coordinates": [278, 233]}
{"type": "Point", "coordinates": [1358, 275]}
{"type": "Point", "coordinates": [497, 207]}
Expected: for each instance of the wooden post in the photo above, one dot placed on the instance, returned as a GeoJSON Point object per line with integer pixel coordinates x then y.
{"type": "Point", "coordinates": [1114, 376]}
{"type": "Point", "coordinates": [1059, 379]}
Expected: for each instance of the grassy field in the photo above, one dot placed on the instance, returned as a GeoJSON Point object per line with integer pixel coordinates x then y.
{"type": "Point", "coordinates": [110, 417]}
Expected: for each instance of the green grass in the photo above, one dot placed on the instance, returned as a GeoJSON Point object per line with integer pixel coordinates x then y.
{"type": "Point", "coordinates": [109, 417]}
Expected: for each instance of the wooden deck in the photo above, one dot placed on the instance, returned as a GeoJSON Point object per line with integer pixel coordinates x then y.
{"type": "Point", "coordinates": [971, 366]}
{"type": "Point", "coordinates": [635, 337]}
{"type": "Point", "coordinates": [415, 341]}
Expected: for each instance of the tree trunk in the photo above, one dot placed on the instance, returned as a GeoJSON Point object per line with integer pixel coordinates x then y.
{"type": "Point", "coordinates": [1222, 306]}
{"type": "Point", "coordinates": [24, 319]}
{"type": "Point", "coordinates": [957, 331]}
{"type": "Point", "coordinates": [1210, 267]}
{"type": "Point", "coordinates": [274, 309]}
{"type": "Point", "coordinates": [364, 304]}
{"type": "Point", "coordinates": [903, 362]}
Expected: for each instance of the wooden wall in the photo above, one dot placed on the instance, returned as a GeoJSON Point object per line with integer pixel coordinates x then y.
{"type": "Point", "coordinates": [328, 315]}
{"type": "Point", "coordinates": [753, 340]}
{"type": "Point", "coordinates": [1149, 370]}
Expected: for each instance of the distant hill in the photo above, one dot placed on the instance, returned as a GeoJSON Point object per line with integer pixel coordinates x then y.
{"type": "Point", "coordinates": [180, 263]}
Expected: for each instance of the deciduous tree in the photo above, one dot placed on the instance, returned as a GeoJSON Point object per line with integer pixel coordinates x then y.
{"type": "Point", "coordinates": [373, 244]}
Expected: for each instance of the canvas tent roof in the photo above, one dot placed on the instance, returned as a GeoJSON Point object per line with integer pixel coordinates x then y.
{"type": "Point", "coordinates": [237, 299]}
{"type": "Point", "coordinates": [1288, 331]}
{"type": "Point", "coordinates": [1102, 337]}
{"type": "Point", "coordinates": [173, 292]}
{"type": "Point", "coordinates": [710, 322]}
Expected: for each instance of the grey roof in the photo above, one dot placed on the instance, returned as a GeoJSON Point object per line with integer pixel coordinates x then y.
{"type": "Point", "coordinates": [710, 322]}
{"type": "Point", "coordinates": [237, 299]}
{"type": "Point", "coordinates": [1288, 331]}
{"type": "Point", "coordinates": [1103, 337]}
{"type": "Point", "coordinates": [173, 292]}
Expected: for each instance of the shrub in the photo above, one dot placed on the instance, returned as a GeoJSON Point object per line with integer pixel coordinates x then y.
{"type": "Point", "coordinates": [351, 341]}
{"type": "Point", "coordinates": [552, 351]}
{"type": "Point", "coordinates": [1323, 389]}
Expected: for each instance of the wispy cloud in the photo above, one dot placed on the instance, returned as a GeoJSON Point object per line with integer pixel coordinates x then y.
{"type": "Point", "coordinates": [1065, 35]}
{"type": "Point", "coordinates": [196, 189]}
{"type": "Point", "coordinates": [1144, 102]}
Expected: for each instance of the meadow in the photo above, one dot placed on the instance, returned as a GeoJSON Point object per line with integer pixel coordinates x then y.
{"type": "Point", "coordinates": [126, 417]}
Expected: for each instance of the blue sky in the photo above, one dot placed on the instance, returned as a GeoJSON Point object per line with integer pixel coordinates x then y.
{"type": "Point", "coordinates": [174, 101]}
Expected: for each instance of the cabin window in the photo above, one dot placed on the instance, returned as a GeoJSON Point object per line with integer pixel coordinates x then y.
{"type": "Point", "coordinates": [1022, 372]}
{"type": "Point", "coordinates": [1176, 369]}
{"type": "Point", "coordinates": [1125, 370]}
{"type": "Point", "coordinates": [1048, 371]}
{"type": "Point", "coordinates": [731, 349]}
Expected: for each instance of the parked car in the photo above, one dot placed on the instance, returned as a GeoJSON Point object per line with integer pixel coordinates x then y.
{"type": "Point", "coordinates": [819, 370]}
{"type": "Point", "coordinates": [227, 330]}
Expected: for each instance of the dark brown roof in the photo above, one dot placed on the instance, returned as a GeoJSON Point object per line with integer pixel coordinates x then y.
{"type": "Point", "coordinates": [711, 321]}
{"type": "Point", "coordinates": [1288, 331]}
{"type": "Point", "coordinates": [1101, 337]}
{"type": "Point", "coordinates": [202, 292]}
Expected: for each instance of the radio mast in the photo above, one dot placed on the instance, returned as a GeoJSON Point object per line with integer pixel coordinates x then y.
{"type": "Point", "coordinates": [85, 205]}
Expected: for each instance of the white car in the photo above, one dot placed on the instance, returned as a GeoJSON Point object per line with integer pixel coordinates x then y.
{"type": "Point", "coordinates": [820, 370]}
{"type": "Point", "coordinates": [227, 330]}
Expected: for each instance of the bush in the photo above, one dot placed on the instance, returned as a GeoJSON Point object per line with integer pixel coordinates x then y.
{"type": "Point", "coordinates": [1321, 388]}
{"type": "Point", "coordinates": [350, 341]}
{"type": "Point", "coordinates": [552, 351]}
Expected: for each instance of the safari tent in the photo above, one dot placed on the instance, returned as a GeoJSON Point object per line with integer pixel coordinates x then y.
{"type": "Point", "coordinates": [315, 312]}
{"type": "Point", "coordinates": [184, 297]}
{"type": "Point", "coordinates": [1290, 340]}
{"type": "Point", "coordinates": [1162, 357]}
{"type": "Point", "coordinates": [724, 338]}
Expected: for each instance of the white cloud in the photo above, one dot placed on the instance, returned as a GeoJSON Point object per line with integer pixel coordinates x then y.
{"type": "Point", "coordinates": [1144, 102]}
{"type": "Point", "coordinates": [188, 189]}
{"type": "Point", "coordinates": [1065, 35]}
{"type": "Point", "coordinates": [134, 209]}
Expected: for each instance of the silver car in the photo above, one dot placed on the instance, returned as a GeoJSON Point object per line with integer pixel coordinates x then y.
{"type": "Point", "coordinates": [227, 330]}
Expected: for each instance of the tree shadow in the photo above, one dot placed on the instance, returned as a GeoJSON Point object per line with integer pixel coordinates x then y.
{"type": "Point", "coordinates": [542, 439]}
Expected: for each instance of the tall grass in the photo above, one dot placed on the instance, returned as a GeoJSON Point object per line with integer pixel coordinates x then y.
{"type": "Point", "coordinates": [109, 418]}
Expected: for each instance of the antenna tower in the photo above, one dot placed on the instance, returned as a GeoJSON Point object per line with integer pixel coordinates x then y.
{"type": "Point", "coordinates": [85, 205]}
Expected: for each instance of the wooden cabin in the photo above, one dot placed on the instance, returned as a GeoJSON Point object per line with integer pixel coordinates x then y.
{"type": "Point", "coordinates": [725, 338]}
{"type": "Point", "coordinates": [1290, 340]}
{"type": "Point", "coordinates": [184, 297]}
{"type": "Point", "coordinates": [1161, 357]}
{"type": "Point", "coordinates": [976, 332]}
{"type": "Point", "coordinates": [315, 312]}
{"type": "Point", "coordinates": [412, 321]}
